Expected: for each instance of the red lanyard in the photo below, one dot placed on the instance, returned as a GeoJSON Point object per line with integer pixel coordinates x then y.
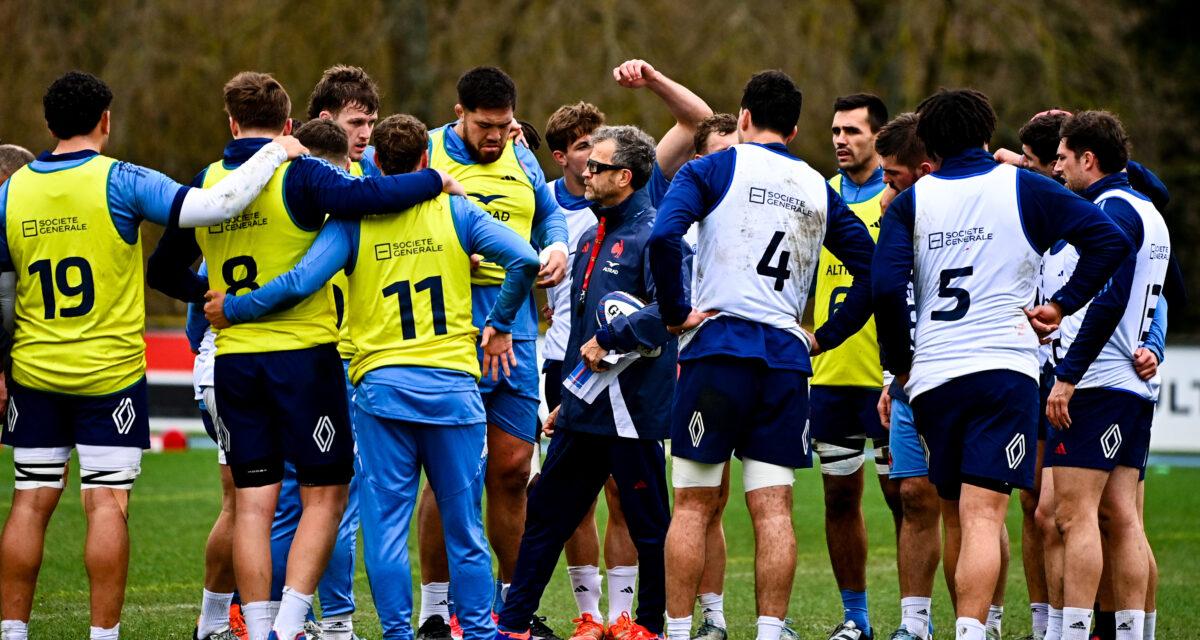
{"type": "Point", "coordinates": [587, 275]}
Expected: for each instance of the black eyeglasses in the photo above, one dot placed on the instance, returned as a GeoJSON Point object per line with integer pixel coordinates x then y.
{"type": "Point", "coordinates": [594, 167]}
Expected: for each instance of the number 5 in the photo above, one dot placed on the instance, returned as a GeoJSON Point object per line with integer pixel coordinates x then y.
{"type": "Point", "coordinates": [962, 296]}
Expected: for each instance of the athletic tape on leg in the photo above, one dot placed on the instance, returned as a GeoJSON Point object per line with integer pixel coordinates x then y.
{"type": "Point", "coordinates": [103, 467]}
{"type": "Point", "coordinates": [40, 468]}
{"type": "Point", "coordinates": [689, 474]}
{"type": "Point", "coordinates": [839, 459]}
{"type": "Point", "coordinates": [760, 475]}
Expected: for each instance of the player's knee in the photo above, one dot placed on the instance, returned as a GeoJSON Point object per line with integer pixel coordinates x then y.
{"type": "Point", "coordinates": [40, 468]}
{"type": "Point", "coordinates": [257, 473]}
{"type": "Point", "coordinates": [762, 475]}
{"type": "Point", "coordinates": [103, 467]}
{"type": "Point", "coordinates": [509, 477]}
{"type": "Point", "coordinates": [842, 458]}
{"type": "Point", "coordinates": [919, 499]}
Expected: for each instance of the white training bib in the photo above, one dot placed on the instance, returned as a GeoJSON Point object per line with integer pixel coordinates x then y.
{"type": "Point", "coordinates": [974, 273]}
{"type": "Point", "coordinates": [757, 249]}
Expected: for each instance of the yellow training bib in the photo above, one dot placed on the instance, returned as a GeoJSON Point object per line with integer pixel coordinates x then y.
{"type": "Point", "coordinates": [80, 313]}
{"type": "Point", "coordinates": [261, 243]}
{"type": "Point", "coordinates": [410, 293]}
{"type": "Point", "coordinates": [855, 363]}
{"type": "Point", "coordinates": [500, 188]}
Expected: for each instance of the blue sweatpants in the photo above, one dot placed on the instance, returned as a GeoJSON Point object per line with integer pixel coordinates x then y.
{"type": "Point", "coordinates": [392, 454]}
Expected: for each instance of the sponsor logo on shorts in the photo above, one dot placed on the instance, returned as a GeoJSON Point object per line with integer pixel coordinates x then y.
{"type": "Point", "coordinates": [1111, 441]}
{"type": "Point", "coordinates": [124, 415]}
{"type": "Point", "coordinates": [12, 414]}
{"type": "Point", "coordinates": [804, 437]}
{"type": "Point", "coordinates": [696, 428]}
{"type": "Point", "coordinates": [323, 434]}
{"type": "Point", "coordinates": [1015, 450]}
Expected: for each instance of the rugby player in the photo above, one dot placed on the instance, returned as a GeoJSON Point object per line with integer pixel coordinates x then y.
{"type": "Point", "coordinates": [742, 390]}
{"type": "Point", "coordinates": [416, 403]}
{"type": "Point", "coordinates": [78, 359]}
{"type": "Point", "coordinates": [983, 228]}
{"type": "Point", "coordinates": [918, 545]}
{"type": "Point", "coordinates": [503, 177]}
{"type": "Point", "coordinates": [846, 383]}
{"type": "Point", "coordinates": [1099, 447]}
{"type": "Point", "coordinates": [272, 378]}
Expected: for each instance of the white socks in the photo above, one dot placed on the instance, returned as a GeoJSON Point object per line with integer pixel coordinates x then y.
{"type": "Point", "coordinates": [214, 613]}
{"type": "Point", "coordinates": [679, 628]}
{"type": "Point", "coordinates": [1054, 619]}
{"type": "Point", "coordinates": [1077, 623]}
{"type": "Point", "coordinates": [585, 582]}
{"type": "Point", "coordinates": [1130, 624]}
{"type": "Point", "coordinates": [293, 609]}
{"type": "Point", "coordinates": [435, 601]}
{"type": "Point", "coordinates": [994, 618]}
{"type": "Point", "coordinates": [339, 627]}
{"type": "Point", "coordinates": [769, 628]}
{"type": "Point", "coordinates": [258, 619]}
{"type": "Point", "coordinates": [712, 609]}
{"type": "Point", "coordinates": [621, 581]}
{"type": "Point", "coordinates": [14, 630]}
{"type": "Point", "coordinates": [1148, 629]}
{"type": "Point", "coordinates": [969, 629]}
{"type": "Point", "coordinates": [1039, 613]}
{"type": "Point", "coordinates": [914, 615]}
{"type": "Point", "coordinates": [100, 633]}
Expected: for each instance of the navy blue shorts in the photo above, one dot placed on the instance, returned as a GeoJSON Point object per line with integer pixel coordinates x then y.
{"type": "Point", "coordinates": [980, 429]}
{"type": "Point", "coordinates": [1045, 385]}
{"type": "Point", "coordinates": [1109, 428]}
{"type": "Point", "coordinates": [45, 419]}
{"type": "Point", "coordinates": [840, 413]}
{"type": "Point", "coordinates": [512, 401]}
{"type": "Point", "coordinates": [285, 404]}
{"type": "Point", "coordinates": [725, 405]}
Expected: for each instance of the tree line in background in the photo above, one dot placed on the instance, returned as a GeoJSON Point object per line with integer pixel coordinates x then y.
{"type": "Point", "coordinates": [166, 61]}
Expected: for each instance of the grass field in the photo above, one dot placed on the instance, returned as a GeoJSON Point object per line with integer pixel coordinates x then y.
{"type": "Point", "coordinates": [177, 497]}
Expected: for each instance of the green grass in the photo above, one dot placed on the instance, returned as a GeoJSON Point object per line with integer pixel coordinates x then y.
{"type": "Point", "coordinates": [178, 496]}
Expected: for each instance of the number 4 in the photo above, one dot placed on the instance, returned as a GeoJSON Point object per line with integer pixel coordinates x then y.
{"type": "Point", "coordinates": [780, 270]}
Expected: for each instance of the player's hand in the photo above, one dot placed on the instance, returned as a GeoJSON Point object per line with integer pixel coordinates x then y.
{"type": "Point", "coordinates": [553, 271]}
{"type": "Point", "coordinates": [593, 355]}
{"type": "Point", "coordinates": [1145, 363]}
{"type": "Point", "coordinates": [214, 309]}
{"type": "Point", "coordinates": [450, 185]}
{"type": "Point", "coordinates": [695, 317]}
{"type": "Point", "coordinates": [3, 392]}
{"type": "Point", "coordinates": [814, 347]}
{"type": "Point", "coordinates": [476, 260]}
{"type": "Point", "coordinates": [548, 314]}
{"type": "Point", "coordinates": [884, 407]}
{"type": "Point", "coordinates": [889, 194]}
{"type": "Point", "coordinates": [291, 145]}
{"type": "Point", "coordinates": [497, 352]}
{"type": "Point", "coordinates": [548, 425]}
{"type": "Point", "coordinates": [1004, 156]}
{"type": "Point", "coordinates": [1056, 405]}
{"type": "Point", "coordinates": [516, 133]}
{"type": "Point", "coordinates": [1045, 319]}
{"type": "Point", "coordinates": [634, 74]}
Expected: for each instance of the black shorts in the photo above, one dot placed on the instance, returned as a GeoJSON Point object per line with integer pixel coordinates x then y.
{"type": "Point", "coordinates": [46, 419]}
{"type": "Point", "coordinates": [285, 404]}
{"type": "Point", "coordinates": [1109, 428]}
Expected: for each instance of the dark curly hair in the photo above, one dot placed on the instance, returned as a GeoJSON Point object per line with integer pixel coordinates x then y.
{"type": "Point", "coordinates": [343, 86]}
{"type": "Point", "coordinates": [1041, 135]}
{"type": "Point", "coordinates": [74, 103]}
{"type": "Point", "coordinates": [955, 120]}
{"type": "Point", "coordinates": [488, 88]}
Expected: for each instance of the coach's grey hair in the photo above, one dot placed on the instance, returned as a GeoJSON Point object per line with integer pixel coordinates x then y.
{"type": "Point", "coordinates": [12, 158]}
{"type": "Point", "coordinates": [635, 149]}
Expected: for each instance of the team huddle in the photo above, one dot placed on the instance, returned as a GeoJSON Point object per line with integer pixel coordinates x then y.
{"type": "Point", "coordinates": [363, 314]}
